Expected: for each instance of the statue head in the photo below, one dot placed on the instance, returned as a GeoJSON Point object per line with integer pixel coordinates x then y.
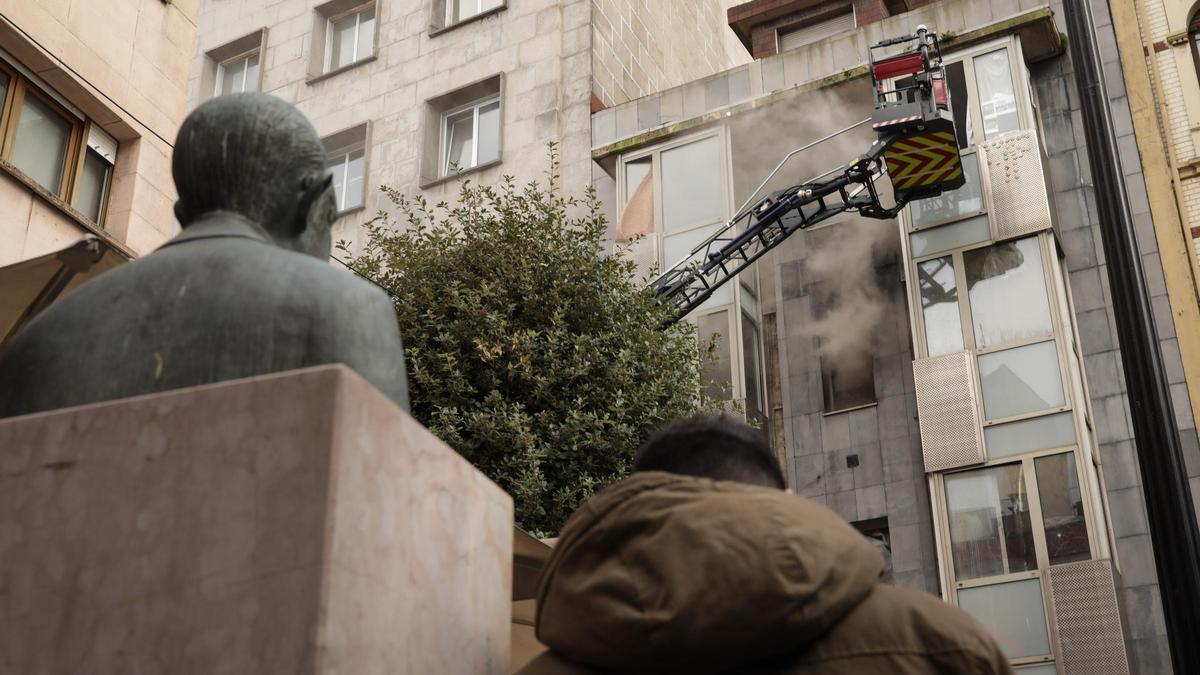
{"type": "Point", "coordinates": [257, 156]}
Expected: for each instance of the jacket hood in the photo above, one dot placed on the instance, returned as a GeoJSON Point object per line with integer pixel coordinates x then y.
{"type": "Point", "coordinates": [668, 573]}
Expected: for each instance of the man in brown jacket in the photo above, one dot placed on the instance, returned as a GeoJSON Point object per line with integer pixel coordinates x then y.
{"type": "Point", "coordinates": [701, 563]}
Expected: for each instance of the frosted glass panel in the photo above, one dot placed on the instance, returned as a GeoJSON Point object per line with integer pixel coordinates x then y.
{"type": "Point", "coordinates": [990, 527]}
{"type": "Point", "coordinates": [1039, 433]}
{"type": "Point", "coordinates": [967, 200]}
{"type": "Point", "coordinates": [1013, 613]}
{"type": "Point", "coordinates": [946, 237]}
{"type": "Point", "coordinates": [489, 132]}
{"type": "Point", "coordinates": [939, 304]}
{"type": "Point", "coordinates": [677, 246]}
{"type": "Point", "coordinates": [1008, 292]}
{"type": "Point", "coordinates": [1039, 669]}
{"type": "Point", "coordinates": [41, 147]}
{"type": "Point", "coordinates": [691, 179]}
{"type": "Point", "coordinates": [997, 100]}
{"type": "Point", "coordinates": [1021, 380]}
{"type": "Point", "coordinates": [1062, 509]}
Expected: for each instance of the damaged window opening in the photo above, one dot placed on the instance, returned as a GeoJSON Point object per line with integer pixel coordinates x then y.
{"type": "Point", "coordinates": [847, 365]}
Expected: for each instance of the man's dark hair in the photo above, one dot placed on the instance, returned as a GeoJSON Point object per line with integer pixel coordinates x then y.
{"type": "Point", "coordinates": [721, 448]}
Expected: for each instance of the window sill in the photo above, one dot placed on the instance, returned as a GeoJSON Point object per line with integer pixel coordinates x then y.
{"type": "Point", "coordinates": [350, 211]}
{"type": "Point", "coordinates": [424, 185]}
{"type": "Point", "coordinates": [470, 19]}
{"type": "Point", "coordinates": [65, 209]}
{"type": "Point", "coordinates": [842, 411]}
{"type": "Point", "coordinates": [338, 71]}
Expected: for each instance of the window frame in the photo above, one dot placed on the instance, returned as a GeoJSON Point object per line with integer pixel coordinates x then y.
{"type": "Point", "coordinates": [733, 304]}
{"type": "Point", "coordinates": [952, 585]}
{"type": "Point", "coordinates": [832, 15]}
{"type": "Point", "coordinates": [444, 134]}
{"type": "Point", "coordinates": [223, 67]}
{"type": "Point", "coordinates": [357, 12]}
{"type": "Point", "coordinates": [341, 144]}
{"type": "Point", "coordinates": [448, 21]}
{"type": "Point", "coordinates": [106, 187]}
{"type": "Point", "coordinates": [19, 87]}
{"type": "Point", "coordinates": [344, 156]}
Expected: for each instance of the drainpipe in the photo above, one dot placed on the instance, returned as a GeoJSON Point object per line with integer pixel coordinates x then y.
{"type": "Point", "coordinates": [1172, 521]}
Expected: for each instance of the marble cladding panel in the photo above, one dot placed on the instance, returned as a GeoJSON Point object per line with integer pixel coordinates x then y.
{"type": "Point", "coordinates": [288, 523]}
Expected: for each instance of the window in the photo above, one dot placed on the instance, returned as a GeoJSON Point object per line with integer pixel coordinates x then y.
{"type": "Point", "coordinates": [463, 130]}
{"type": "Point", "coordinates": [95, 175]}
{"type": "Point", "coordinates": [847, 365]}
{"type": "Point", "coordinates": [461, 10]}
{"type": "Point", "coordinates": [997, 98]}
{"type": "Point", "coordinates": [939, 304]}
{"type": "Point", "coordinates": [351, 38]}
{"type": "Point", "coordinates": [990, 529]}
{"type": "Point", "coordinates": [1021, 380]}
{"type": "Point", "coordinates": [1007, 523]}
{"type": "Point", "coordinates": [471, 136]}
{"type": "Point", "coordinates": [42, 144]}
{"type": "Point", "coordinates": [48, 141]}
{"type": "Point", "coordinates": [234, 67]}
{"type": "Point", "coordinates": [347, 162]}
{"type": "Point", "coordinates": [1194, 40]}
{"type": "Point", "coordinates": [238, 75]}
{"type": "Point", "coordinates": [798, 36]}
{"type": "Point", "coordinates": [717, 375]}
{"type": "Point", "coordinates": [675, 199]}
{"type": "Point", "coordinates": [343, 35]}
{"type": "Point", "coordinates": [1007, 291]}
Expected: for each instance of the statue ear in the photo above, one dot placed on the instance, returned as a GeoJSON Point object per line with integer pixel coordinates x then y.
{"type": "Point", "coordinates": [311, 190]}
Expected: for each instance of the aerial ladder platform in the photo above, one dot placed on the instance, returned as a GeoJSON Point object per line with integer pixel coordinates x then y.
{"type": "Point", "coordinates": [915, 146]}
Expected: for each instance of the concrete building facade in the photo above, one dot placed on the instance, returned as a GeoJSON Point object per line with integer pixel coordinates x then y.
{"type": "Point", "coordinates": [93, 94]}
{"type": "Point", "coordinates": [950, 381]}
{"type": "Point", "coordinates": [414, 94]}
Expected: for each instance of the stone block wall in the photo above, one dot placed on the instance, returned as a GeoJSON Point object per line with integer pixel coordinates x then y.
{"type": "Point", "coordinates": [124, 64]}
{"type": "Point", "coordinates": [541, 48]}
{"type": "Point", "coordinates": [640, 47]}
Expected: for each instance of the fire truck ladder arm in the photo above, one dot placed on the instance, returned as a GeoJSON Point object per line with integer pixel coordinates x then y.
{"type": "Point", "coordinates": [754, 232]}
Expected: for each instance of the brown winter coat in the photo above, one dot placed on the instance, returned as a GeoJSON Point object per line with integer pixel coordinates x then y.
{"type": "Point", "coordinates": [672, 574]}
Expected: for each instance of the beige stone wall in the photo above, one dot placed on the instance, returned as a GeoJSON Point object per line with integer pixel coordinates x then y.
{"type": "Point", "coordinates": [124, 64]}
{"type": "Point", "coordinates": [541, 47]}
{"type": "Point", "coordinates": [641, 47]}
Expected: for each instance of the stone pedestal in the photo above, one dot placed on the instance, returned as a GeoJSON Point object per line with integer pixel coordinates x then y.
{"type": "Point", "coordinates": [293, 523]}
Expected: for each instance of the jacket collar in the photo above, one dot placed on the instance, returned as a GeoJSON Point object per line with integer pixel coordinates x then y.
{"type": "Point", "coordinates": [221, 225]}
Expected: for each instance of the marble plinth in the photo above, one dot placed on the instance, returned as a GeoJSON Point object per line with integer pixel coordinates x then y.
{"type": "Point", "coordinates": [293, 523]}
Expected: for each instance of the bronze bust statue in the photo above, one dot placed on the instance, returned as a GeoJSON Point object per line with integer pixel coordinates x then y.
{"type": "Point", "coordinates": [245, 289]}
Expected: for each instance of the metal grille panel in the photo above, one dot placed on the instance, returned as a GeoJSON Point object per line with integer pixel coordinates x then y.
{"type": "Point", "coordinates": [1088, 615]}
{"type": "Point", "coordinates": [948, 410]}
{"type": "Point", "coordinates": [1020, 203]}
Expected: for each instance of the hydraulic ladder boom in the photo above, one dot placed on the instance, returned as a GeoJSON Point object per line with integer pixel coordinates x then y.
{"type": "Point", "coordinates": [916, 145]}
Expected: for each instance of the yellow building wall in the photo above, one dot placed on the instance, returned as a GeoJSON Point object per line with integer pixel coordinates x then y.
{"type": "Point", "coordinates": [1163, 87]}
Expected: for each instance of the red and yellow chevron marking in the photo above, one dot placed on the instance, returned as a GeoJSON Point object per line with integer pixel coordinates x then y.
{"type": "Point", "coordinates": [921, 161]}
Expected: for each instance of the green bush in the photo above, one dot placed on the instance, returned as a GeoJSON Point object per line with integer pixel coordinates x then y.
{"type": "Point", "coordinates": [536, 356]}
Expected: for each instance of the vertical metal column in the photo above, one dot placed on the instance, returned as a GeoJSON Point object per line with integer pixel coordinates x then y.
{"type": "Point", "coordinates": [1172, 521]}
